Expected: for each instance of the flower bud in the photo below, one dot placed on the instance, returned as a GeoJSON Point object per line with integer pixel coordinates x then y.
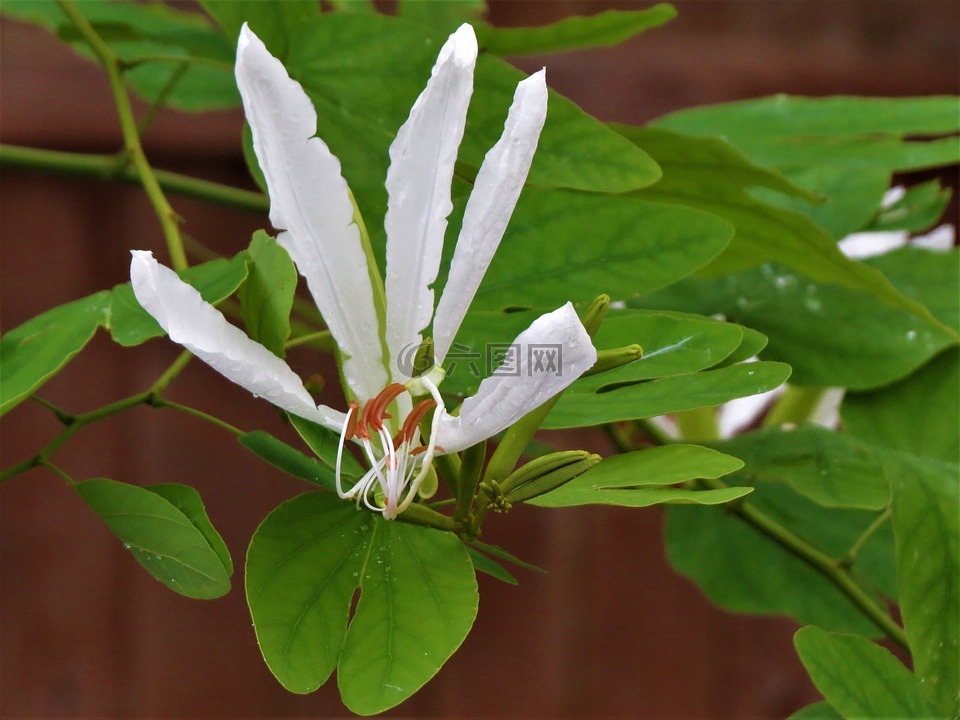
{"type": "Point", "coordinates": [611, 359]}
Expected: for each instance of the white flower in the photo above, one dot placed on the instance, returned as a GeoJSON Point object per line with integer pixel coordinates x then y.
{"type": "Point", "coordinates": [311, 205]}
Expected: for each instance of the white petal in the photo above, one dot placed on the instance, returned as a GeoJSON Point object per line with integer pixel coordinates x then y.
{"type": "Point", "coordinates": [418, 186]}
{"type": "Point", "coordinates": [309, 200]}
{"type": "Point", "coordinates": [495, 193]}
{"type": "Point", "coordinates": [511, 392]}
{"type": "Point", "coordinates": [194, 323]}
{"type": "Point", "coordinates": [867, 244]}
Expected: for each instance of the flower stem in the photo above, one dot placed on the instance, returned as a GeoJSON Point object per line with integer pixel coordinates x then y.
{"type": "Point", "coordinates": [105, 167]}
{"type": "Point", "coordinates": [169, 220]}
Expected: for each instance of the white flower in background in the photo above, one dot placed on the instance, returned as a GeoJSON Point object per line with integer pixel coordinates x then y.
{"type": "Point", "coordinates": [310, 203]}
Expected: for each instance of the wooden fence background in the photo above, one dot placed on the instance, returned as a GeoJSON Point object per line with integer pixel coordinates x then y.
{"type": "Point", "coordinates": [610, 631]}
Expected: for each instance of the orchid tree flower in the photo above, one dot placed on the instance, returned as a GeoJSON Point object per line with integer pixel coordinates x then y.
{"type": "Point", "coordinates": [375, 324]}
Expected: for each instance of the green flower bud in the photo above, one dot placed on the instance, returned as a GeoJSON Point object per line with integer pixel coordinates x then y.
{"type": "Point", "coordinates": [531, 474]}
{"type": "Point", "coordinates": [610, 359]}
{"type": "Point", "coordinates": [552, 480]}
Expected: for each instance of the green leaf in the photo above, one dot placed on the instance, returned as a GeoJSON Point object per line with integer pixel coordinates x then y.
{"type": "Point", "coordinates": [666, 395]}
{"type": "Point", "coordinates": [362, 98]}
{"type": "Point", "coordinates": [32, 353]}
{"type": "Point", "coordinates": [919, 415]}
{"type": "Point", "coordinates": [927, 526]}
{"type": "Point", "coordinates": [544, 261]}
{"type": "Point", "coordinates": [919, 208]}
{"type": "Point", "coordinates": [744, 570]}
{"type": "Point", "coordinates": [751, 346]}
{"type": "Point", "coordinates": [266, 296]}
{"type": "Point", "coordinates": [638, 479]}
{"type": "Point", "coordinates": [187, 500]}
{"type": "Point", "coordinates": [673, 343]}
{"type": "Point", "coordinates": [418, 601]}
{"type": "Point", "coordinates": [862, 132]}
{"type": "Point", "coordinates": [858, 678]}
{"type": "Point", "coordinates": [150, 30]}
{"type": "Point", "coordinates": [853, 195]}
{"type": "Point", "coordinates": [272, 21]}
{"type": "Point", "coordinates": [702, 173]}
{"type": "Point", "coordinates": [130, 324]}
{"type": "Point", "coordinates": [484, 564]}
{"type": "Point", "coordinates": [929, 277]}
{"type": "Point", "coordinates": [610, 27]}
{"type": "Point", "coordinates": [167, 530]}
{"type": "Point", "coordinates": [288, 459]}
{"type": "Point", "coordinates": [817, 711]}
{"type": "Point", "coordinates": [803, 320]}
{"type": "Point", "coordinates": [324, 444]}
{"type": "Point", "coordinates": [830, 468]}
{"type": "Point", "coordinates": [443, 15]}
{"type": "Point", "coordinates": [303, 568]}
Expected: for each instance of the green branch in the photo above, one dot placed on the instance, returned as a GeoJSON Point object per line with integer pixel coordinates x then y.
{"type": "Point", "coordinates": [834, 570]}
{"type": "Point", "coordinates": [107, 168]}
{"type": "Point", "coordinates": [169, 220]}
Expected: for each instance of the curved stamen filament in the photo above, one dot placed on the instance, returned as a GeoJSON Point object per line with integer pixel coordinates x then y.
{"type": "Point", "coordinates": [344, 434]}
{"type": "Point", "coordinates": [412, 422]}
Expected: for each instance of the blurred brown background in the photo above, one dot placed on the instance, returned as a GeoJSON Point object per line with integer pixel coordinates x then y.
{"type": "Point", "coordinates": [610, 631]}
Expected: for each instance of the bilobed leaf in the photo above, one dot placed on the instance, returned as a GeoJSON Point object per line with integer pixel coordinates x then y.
{"type": "Point", "coordinates": [32, 353]}
{"type": "Point", "coordinates": [443, 15]}
{"type": "Point", "coordinates": [288, 459]}
{"type": "Point", "coordinates": [484, 564]}
{"type": "Point", "coordinates": [363, 97]}
{"type": "Point", "coordinates": [926, 496]}
{"type": "Point", "coordinates": [136, 30]}
{"type": "Point", "coordinates": [418, 601]}
{"type": "Point", "coordinates": [858, 678]}
{"type": "Point", "coordinates": [604, 28]}
{"type": "Point", "coordinates": [543, 260]}
{"type": "Point", "coordinates": [673, 343]}
{"type": "Point", "coordinates": [641, 478]}
{"type": "Point", "coordinates": [324, 444]}
{"type": "Point", "coordinates": [699, 175]}
{"type": "Point", "coordinates": [303, 567]}
{"type": "Point", "coordinates": [783, 131]}
{"type": "Point", "coordinates": [744, 570]}
{"type": "Point", "coordinates": [752, 344]}
{"type": "Point", "coordinates": [266, 296]}
{"type": "Point", "coordinates": [919, 208]}
{"type": "Point", "coordinates": [187, 500]}
{"type": "Point", "coordinates": [930, 277]}
{"type": "Point", "coordinates": [817, 711]}
{"type": "Point", "coordinates": [130, 324]}
{"type": "Point", "coordinates": [666, 395]}
{"type": "Point", "coordinates": [833, 336]}
{"type": "Point", "coordinates": [272, 21]}
{"type": "Point", "coordinates": [831, 468]}
{"type": "Point", "coordinates": [166, 529]}
{"type": "Point", "coordinates": [918, 415]}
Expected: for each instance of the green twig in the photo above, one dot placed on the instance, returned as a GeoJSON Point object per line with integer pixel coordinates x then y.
{"type": "Point", "coordinates": [829, 567]}
{"type": "Point", "coordinates": [158, 402]}
{"type": "Point", "coordinates": [851, 555]}
{"type": "Point", "coordinates": [61, 415]}
{"type": "Point", "coordinates": [105, 167]}
{"type": "Point", "coordinates": [169, 220]}
{"type": "Point", "coordinates": [188, 60]}
{"type": "Point", "coordinates": [160, 101]}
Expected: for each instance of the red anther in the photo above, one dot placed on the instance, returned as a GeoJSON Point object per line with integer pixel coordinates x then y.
{"type": "Point", "coordinates": [380, 403]}
{"type": "Point", "coordinates": [352, 422]}
{"type": "Point", "coordinates": [413, 420]}
{"type": "Point", "coordinates": [423, 449]}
